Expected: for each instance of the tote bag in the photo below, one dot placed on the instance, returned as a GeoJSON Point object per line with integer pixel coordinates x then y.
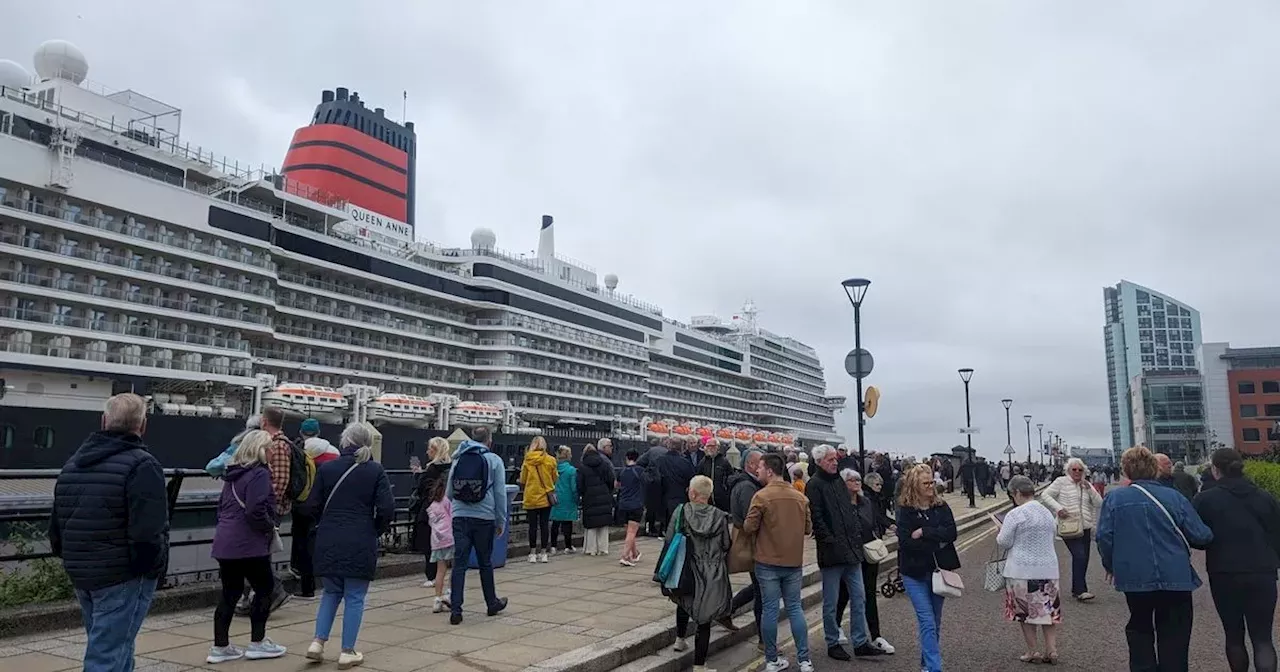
{"type": "Point", "coordinates": [742, 554]}
{"type": "Point", "coordinates": [673, 553]}
{"type": "Point", "coordinates": [993, 572]}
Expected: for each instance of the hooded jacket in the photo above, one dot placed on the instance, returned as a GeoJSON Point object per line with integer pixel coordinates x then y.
{"type": "Point", "coordinates": [494, 505]}
{"type": "Point", "coordinates": [1246, 527]}
{"type": "Point", "coordinates": [110, 519]}
{"type": "Point", "coordinates": [706, 530]}
{"type": "Point", "coordinates": [595, 489]}
{"type": "Point", "coordinates": [245, 531]}
{"type": "Point", "coordinates": [349, 516]}
{"type": "Point", "coordinates": [566, 508]}
{"type": "Point", "coordinates": [719, 470]}
{"type": "Point", "coordinates": [742, 487]}
{"type": "Point", "coordinates": [837, 525]}
{"type": "Point", "coordinates": [538, 475]}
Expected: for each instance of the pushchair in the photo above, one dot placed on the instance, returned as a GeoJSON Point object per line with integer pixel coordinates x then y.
{"type": "Point", "coordinates": [892, 583]}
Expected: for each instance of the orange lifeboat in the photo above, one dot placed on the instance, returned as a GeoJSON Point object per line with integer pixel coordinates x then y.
{"type": "Point", "coordinates": [777, 439]}
{"type": "Point", "coordinates": [659, 429]}
{"type": "Point", "coordinates": [724, 435]}
{"type": "Point", "coordinates": [682, 430]}
{"type": "Point", "coordinates": [760, 437]}
{"type": "Point", "coordinates": [705, 432]}
{"type": "Point", "coordinates": [743, 435]}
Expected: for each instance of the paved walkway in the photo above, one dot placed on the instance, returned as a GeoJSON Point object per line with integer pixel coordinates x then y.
{"type": "Point", "coordinates": [570, 603]}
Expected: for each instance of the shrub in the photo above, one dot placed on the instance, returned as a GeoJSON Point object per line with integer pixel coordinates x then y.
{"type": "Point", "coordinates": [31, 581]}
{"type": "Point", "coordinates": [1265, 474]}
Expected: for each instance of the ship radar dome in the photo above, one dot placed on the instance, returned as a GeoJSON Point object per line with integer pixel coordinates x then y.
{"type": "Point", "coordinates": [13, 76]}
{"type": "Point", "coordinates": [483, 239]}
{"type": "Point", "coordinates": [59, 59]}
{"type": "Point", "coordinates": [611, 282]}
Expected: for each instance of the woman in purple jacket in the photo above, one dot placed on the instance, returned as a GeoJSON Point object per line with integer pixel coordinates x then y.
{"type": "Point", "coordinates": [242, 545]}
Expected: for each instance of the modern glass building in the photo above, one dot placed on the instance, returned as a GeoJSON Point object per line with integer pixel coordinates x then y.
{"type": "Point", "coordinates": [1146, 332]}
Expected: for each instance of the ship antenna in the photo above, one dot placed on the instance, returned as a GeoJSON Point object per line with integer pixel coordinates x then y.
{"type": "Point", "coordinates": [404, 107]}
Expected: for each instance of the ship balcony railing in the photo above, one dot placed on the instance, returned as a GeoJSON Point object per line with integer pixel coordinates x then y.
{"type": "Point", "coordinates": [379, 366]}
{"type": "Point", "coordinates": [537, 265]}
{"type": "Point", "coordinates": [397, 325]}
{"type": "Point", "coordinates": [372, 344]}
{"type": "Point", "coordinates": [560, 333]}
{"type": "Point", "coordinates": [83, 215]}
{"type": "Point", "coordinates": [142, 297]}
{"type": "Point", "coordinates": [109, 326]}
{"type": "Point", "coordinates": [234, 368]}
{"type": "Point", "coordinates": [380, 299]}
{"type": "Point", "coordinates": [260, 289]}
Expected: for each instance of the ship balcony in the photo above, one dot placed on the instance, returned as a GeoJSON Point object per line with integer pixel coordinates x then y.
{"type": "Point", "coordinates": [381, 300]}
{"type": "Point", "coordinates": [562, 333]}
{"type": "Point", "coordinates": [60, 319]}
{"type": "Point", "coordinates": [560, 370]}
{"type": "Point", "coordinates": [95, 357]}
{"type": "Point", "coordinates": [66, 288]}
{"type": "Point", "coordinates": [562, 387]}
{"type": "Point", "coordinates": [569, 353]}
{"type": "Point", "coordinates": [352, 316]}
{"type": "Point", "coordinates": [345, 364]}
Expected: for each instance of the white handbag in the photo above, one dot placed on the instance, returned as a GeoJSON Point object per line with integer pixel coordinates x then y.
{"type": "Point", "coordinates": [875, 551]}
{"type": "Point", "coordinates": [947, 583]}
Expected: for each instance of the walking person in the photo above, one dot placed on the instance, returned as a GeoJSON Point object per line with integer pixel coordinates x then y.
{"type": "Point", "coordinates": [242, 545]}
{"type": "Point", "coordinates": [352, 505]}
{"type": "Point", "coordinates": [595, 492]}
{"type": "Point", "coordinates": [110, 527]}
{"type": "Point", "coordinates": [631, 506]}
{"type": "Point", "coordinates": [742, 488]}
{"type": "Point", "coordinates": [1031, 571]}
{"type": "Point", "coordinates": [439, 457]}
{"type": "Point", "coordinates": [779, 518]}
{"type": "Point", "coordinates": [538, 474]}
{"type": "Point", "coordinates": [706, 530]}
{"type": "Point", "coordinates": [440, 515]}
{"type": "Point", "coordinates": [565, 511]}
{"type": "Point", "coordinates": [874, 525]}
{"type": "Point", "coordinates": [1075, 503]}
{"type": "Point", "coordinates": [477, 490]}
{"type": "Point", "coordinates": [1242, 560]}
{"type": "Point", "coordinates": [1145, 535]}
{"type": "Point", "coordinates": [926, 542]}
{"type": "Point", "coordinates": [837, 533]}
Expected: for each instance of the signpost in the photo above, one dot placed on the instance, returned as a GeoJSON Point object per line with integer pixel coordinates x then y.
{"type": "Point", "coordinates": [859, 363]}
{"type": "Point", "coordinates": [969, 430]}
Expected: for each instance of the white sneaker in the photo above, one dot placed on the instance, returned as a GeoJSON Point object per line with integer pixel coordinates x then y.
{"type": "Point", "coordinates": [806, 666]}
{"type": "Point", "coordinates": [349, 660]}
{"type": "Point", "coordinates": [264, 649]}
{"type": "Point", "coordinates": [542, 557]}
{"type": "Point", "coordinates": [777, 666]}
{"type": "Point", "coordinates": [880, 643]}
{"type": "Point", "coordinates": [681, 645]}
{"type": "Point", "coordinates": [571, 550]}
{"type": "Point", "coordinates": [428, 584]}
{"type": "Point", "coordinates": [440, 605]}
{"type": "Point", "coordinates": [316, 651]}
{"type": "Point", "coordinates": [223, 654]}
{"type": "Point", "coordinates": [844, 639]}
{"type": "Point", "coordinates": [533, 557]}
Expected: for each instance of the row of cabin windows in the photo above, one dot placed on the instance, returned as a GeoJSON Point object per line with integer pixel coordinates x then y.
{"type": "Point", "coordinates": [41, 438]}
{"type": "Point", "coordinates": [364, 125]}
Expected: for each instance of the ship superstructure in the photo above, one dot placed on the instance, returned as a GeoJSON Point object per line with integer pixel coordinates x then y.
{"type": "Point", "coordinates": [131, 260]}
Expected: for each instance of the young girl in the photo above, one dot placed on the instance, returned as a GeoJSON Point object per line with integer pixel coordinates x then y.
{"type": "Point", "coordinates": [440, 516]}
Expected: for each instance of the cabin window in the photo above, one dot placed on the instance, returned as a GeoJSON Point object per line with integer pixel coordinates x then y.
{"type": "Point", "coordinates": [43, 437]}
{"type": "Point", "coordinates": [6, 437]}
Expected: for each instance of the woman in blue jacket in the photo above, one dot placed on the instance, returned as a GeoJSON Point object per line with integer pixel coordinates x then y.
{"type": "Point", "coordinates": [1145, 535]}
{"type": "Point", "coordinates": [565, 511]}
{"type": "Point", "coordinates": [352, 504]}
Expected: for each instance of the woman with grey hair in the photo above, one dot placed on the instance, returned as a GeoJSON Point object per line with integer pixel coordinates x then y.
{"type": "Point", "coordinates": [873, 523]}
{"type": "Point", "coordinates": [352, 503]}
{"type": "Point", "coordinates": [1031, 570]}
{"type": "Point", "coordinates": [1076, 504]}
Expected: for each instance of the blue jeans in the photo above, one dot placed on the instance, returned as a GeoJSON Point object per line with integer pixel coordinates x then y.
{"type": "Point", "coordinates": [781, 583]}
{"type": "Point", "coordinates": [468, 534]}
{"type": "Point", "coordinates": [1079, 550]}
{"type": "Point", "coordinates": [851, 577]}
{"type": "Point", "coordinates": [112, 617]}
{"type": "Point", "coordinates": [928, 609]}
{"type": "Point", "coordinates": [351, 593]}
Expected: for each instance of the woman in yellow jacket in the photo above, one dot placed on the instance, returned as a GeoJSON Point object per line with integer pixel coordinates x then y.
{"type": "Point", "coordinates": [538, 475]}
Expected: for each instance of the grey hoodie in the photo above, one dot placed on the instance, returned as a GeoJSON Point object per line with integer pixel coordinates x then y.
{"type": "Point", "coordinates": [707, 547]}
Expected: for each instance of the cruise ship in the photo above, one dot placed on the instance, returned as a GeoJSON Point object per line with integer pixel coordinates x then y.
{"type": "Point", "coordinates": [132, 260]}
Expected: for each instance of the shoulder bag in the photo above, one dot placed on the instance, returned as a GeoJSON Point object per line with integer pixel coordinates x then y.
{"type": "Point", "coordinates": [946, 583]}
{"type": "Point", "coordinates": [742, 553]}
{"type": "Point", "coordinates": [875, 551]}
{"type": "Point", "coordinates": [552, 499]}
{"type": "Point", "coordinates": [1073, 527]}
{"type": "Point", "coordinates": [277, 544]}
{"type": "Point", "coordinates": [1166, 515]}
{"type": "Point", "coordinates": [993, 571]}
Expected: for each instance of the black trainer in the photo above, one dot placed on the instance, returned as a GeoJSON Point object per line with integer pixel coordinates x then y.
{"type": "Point", "coordinates": [455, 619]}
{"type": "Point", "coordinates": [867, 650]}
{"type": "Point", "coordinates": [497, 609]}
{"type": "Point", "coordinates": [837, 652]}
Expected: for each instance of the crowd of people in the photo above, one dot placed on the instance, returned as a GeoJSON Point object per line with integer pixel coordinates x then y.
{"type": "Point", "coordinates": [717, 514]}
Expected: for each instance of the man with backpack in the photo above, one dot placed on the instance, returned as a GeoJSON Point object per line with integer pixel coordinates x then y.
{"type": "Point", "coordinates": [300, 552]}
{"type": "Point", "coordinates": [477, 488]}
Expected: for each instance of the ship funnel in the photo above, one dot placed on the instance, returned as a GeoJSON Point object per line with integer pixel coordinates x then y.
{"type": "Point", "coordinates": [341, 92]}
{"type": "Point", "coordinates": [547, 239]}
{"type": "Point", "coordinates": [326, 96]}
{"type": "Point", "coordinates": [380, 111]}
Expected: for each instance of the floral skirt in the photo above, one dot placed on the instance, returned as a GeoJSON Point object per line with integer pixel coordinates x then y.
{"type": "Point", "coordinates": [1032, 601]}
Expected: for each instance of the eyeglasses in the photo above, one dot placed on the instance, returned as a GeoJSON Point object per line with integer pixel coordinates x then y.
{"type": "Point", "coordinates": [1076, 469]}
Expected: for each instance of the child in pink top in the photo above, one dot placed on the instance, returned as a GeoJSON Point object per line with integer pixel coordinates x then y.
{"type": "Point", "coordinates": [440, 516]}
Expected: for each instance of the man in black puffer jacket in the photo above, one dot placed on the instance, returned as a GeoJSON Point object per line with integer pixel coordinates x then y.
{"type": "Point", "coordinates": [716, 467]}
{"type": "Point", "coordinates": [837, 532]}
{"type": "Point", "coordinates": [111, 528]}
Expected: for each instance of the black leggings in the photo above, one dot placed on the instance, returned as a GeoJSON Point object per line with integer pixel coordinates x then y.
{"type": "Point", "coordinates": [559, 526]}
{"type": "Point", "coordinates": [1246, 601]}
{"type": "Point", "coordinates": [539, 527]}
{"type": "Point", "coordinates": [701, 637]}
{"type": "Point", "coordinates": [257, 571]}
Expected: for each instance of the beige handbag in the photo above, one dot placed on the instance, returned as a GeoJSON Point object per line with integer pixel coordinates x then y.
{"type": "Point", "coordinates": [1073, 527]}
{"type": "Point", "coordinates": [875, 551]}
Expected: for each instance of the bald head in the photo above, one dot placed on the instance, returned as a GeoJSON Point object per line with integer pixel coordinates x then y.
{"type": "Point", "coordinates": [1165, 465]}
{"type": "Point", "coordinates": [125, 413]}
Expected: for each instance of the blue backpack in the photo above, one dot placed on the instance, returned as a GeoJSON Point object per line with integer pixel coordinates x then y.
{"type": "Point", "coordinates": [217, 467]}
{"type": "Point", "coordinates": [470, 478]}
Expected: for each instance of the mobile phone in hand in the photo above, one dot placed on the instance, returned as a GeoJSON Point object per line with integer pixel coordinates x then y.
{"type": "Point", "coordinates": [415, 463]}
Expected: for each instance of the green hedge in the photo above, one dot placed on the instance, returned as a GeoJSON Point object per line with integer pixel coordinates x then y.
{"type": "Point", "coordinates": [1265, 474]}
{"type": "Point", "coordinates": [41, 580]}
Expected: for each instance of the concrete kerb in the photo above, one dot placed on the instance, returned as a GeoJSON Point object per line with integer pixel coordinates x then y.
{"type": "Point", "coordinates": [37, 618]}
{"type": "Point", "coordinates": [648, 647]}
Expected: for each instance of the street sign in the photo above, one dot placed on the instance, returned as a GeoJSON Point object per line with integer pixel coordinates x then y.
{"type": "Point", "coordinates": [969, 430]}
{"type": "Point", "coordinates": [871, 402]}
{"type": "Point", "coordinates": [858, 363]}
{"type": "Point", "coordinates": [1008, 450]}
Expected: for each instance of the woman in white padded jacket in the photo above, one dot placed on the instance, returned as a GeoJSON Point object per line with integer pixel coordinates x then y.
{"type": "Point", "coordinates": [1072, 496]}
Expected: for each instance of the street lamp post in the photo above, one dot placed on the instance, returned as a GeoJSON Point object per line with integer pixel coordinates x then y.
{"type": "Point", "coordinates": [1027, 419]}
{"type": "Point", "coordinates": [856, 290]}
{"type": "Point", "coordinates": [1008, 435]}
{"type": "Point", "coordinates": [966, 375]}
{"type": "Point", "coordinates": [1040, 429]}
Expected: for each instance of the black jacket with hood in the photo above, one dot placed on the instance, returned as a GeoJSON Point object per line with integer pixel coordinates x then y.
{"type": "Point", "coordinates": [718, 470]}
{"type": "Point", "coordinates": [1246, 527]}
{"type": "Point", "coordinates": [837, 525]}
{"type": "Point", "coordinates": [742, 487]}
{"type": "Point", "coordinates": [110, 519]}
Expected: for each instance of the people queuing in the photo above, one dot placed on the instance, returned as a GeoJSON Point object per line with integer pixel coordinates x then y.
{"type": "Point", "coordinates": [704, 595]}
{"type": "Point", "coordinates": [564, 513]}
{"type": "Point", "coordinates": [873, 526]}
{"type": "Point", "coordinates": [477, 490]}
{"type": "Point", "coordinates": [539, 473]}
{"type": "Point", "coordinates": [595, 492]}
{"type": "Point", "coordinates": [440, 459]}
{"type": "Point", "coordinates": [631, 507]}
{"type": "Point", "coordinates": [1031, 571]}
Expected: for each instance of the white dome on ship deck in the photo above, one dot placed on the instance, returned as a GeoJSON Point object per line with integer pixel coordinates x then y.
{"type": "Point", "coordinates": [483, 239]}
{"type": "Point", "coordinates": [59, 59]}
{"type": "Point", "coordinates": [14, 76]}
{"type": "Point", "coordinates": [611, 282]}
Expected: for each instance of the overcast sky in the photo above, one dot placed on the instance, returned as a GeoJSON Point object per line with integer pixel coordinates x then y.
{"type": "Point", "coordinates": [988, 165]}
